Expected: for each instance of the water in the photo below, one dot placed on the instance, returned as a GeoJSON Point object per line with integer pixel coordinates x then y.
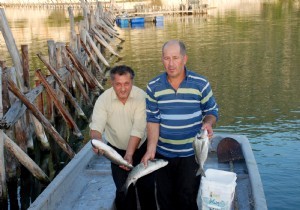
{"type": "Point", "coordinates": [250, 52]}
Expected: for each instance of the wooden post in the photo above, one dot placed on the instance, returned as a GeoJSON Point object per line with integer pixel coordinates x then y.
{"type": "Point", "coordinates": [38, 127]}
{"type": "Point", "coordinates": [39, 100]}
{"type": "Point", "coordinates": [73, 37]}
{"type": "Point", "coordinates": [62, 143]}
{"type": "Point", "coordinates": [20, 132]}
{"type": "Point", "coordinates": [25, 64]}
{"type": "Point", "coordinates": [3, 186]}
{"type": "Point", "coordinates": [52, 59]}
{"type": "Point", "coordinates": [12, 47]}
{"type": "Point", "coordinates": [61, 108]}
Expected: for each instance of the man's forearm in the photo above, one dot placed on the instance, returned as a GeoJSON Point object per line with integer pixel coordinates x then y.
{"type": "Point", "coordinates": [152, 134]}
{"type": "Point", "coordinates": [95, 135]}
{"type": "Point", "coordinates": [211, 119]}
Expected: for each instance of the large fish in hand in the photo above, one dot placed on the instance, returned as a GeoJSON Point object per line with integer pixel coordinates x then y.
{"type": "Point", "coordinates": [110, 153]}
{"type": "Point", "coordinates": [201, 145]}
{"type": "Point", "coordinates": [140, 170]}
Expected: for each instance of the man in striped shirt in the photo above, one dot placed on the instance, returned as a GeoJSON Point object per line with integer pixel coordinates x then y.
{"type": "Point", "coordinates": [179, 103]}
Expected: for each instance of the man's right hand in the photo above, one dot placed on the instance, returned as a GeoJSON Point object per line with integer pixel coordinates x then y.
{"type": "Point", "coordinates": [149, 155]}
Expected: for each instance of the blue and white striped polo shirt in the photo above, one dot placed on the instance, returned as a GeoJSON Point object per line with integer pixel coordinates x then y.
{"type": "Point", "coordinates": [180, 112]}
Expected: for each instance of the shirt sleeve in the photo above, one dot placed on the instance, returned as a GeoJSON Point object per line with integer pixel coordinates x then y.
{"type": "Point", "coordinates": [208, 102]}
{"type": "Point", "coordinates": [139, 121]}
{"type": "Point", "coordinates": [99, 116]}
{"type": "Point", "coordinates": [152, 110]}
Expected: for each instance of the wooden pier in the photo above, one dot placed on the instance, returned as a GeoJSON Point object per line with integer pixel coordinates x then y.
{"type": "Point", "coordinates": [48, 118]}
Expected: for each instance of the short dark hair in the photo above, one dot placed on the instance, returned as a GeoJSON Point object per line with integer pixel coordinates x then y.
{"type": "Point", "coordinates": [180, 43]}
{"type": "Point", "coordinates": [121, 70]}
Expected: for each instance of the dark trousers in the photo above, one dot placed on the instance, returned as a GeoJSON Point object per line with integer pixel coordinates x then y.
{"type": "Point", "coordinates": [144, 188]}
{"type": "Point", "coordinates": [177, 184]}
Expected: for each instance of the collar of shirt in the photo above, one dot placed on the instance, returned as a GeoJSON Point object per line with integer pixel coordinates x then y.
{"type": "Point", "coordinates": [187, 73]}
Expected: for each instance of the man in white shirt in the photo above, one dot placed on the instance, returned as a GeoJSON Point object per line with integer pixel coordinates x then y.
{"type": "Point", "coordinates": [120, 114]}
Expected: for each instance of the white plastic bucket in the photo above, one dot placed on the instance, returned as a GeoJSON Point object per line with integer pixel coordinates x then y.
{"type": "Point", "coordinates": [217, 189]}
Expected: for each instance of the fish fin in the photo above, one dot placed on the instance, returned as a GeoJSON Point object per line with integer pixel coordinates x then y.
{"type": "Point", "coordinates": [124, 189]}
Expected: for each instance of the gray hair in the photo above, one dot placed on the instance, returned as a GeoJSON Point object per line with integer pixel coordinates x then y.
{"type": "Point", "coordinates": [180, 43]}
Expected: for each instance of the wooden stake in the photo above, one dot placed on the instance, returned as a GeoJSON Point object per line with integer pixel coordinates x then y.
{"type": "Point", "coordinates": [102, 41]}
{"type": "Point", "coordinates": [63, 88]}
{"type": "Point", "coordinates": [25, 159]}
{"type": "Point", "coordinates": [96, 50]}
{"type": "Point", "coordinates": [62, 143]}
{"type": "Point", "coordinates": [93, 59]}
{"type": "Point", "coordinates": [78, 83]}
{"type": "Point", "coordinates": [61, 108]}
{"type": "Point", "coordinates": [3, 186]}
{"type": "Point", "coordinates": [89, 79]}
{"type": "Point", "coordinates": [12, 47]}
{"type": "Point", "coordinates": [18, 108]}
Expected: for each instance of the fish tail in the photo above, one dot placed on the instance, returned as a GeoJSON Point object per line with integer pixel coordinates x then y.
{"type": "Point", "coordinates": [200, 172]}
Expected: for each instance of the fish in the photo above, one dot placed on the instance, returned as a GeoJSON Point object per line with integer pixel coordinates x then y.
{"type": "Point", "coordinates": [110, 153]}
{"type": "Point", "coordinates": [140, 170]}
{"type": "Point", "coordinates": [201, 146]}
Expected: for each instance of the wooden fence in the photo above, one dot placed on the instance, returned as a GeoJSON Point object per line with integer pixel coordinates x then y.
{"type": "Point", "coordinates": [47, 117]}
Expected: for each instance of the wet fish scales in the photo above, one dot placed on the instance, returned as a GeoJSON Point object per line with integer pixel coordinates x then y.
{"type": "Point", "coordinates": [201, 146]}
{"type": "Point", "coordinates": [110, 153]}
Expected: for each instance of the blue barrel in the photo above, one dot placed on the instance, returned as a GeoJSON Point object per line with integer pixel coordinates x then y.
{"type": "Point", "coordinates": [138, 20]}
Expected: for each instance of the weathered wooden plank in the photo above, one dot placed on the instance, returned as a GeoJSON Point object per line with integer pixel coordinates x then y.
{"type": "Point", "coordinates": [93, 59]}
{"type": "Point", "coordinates": [102, 41]}
{"type": "Point", "coordinates": [62, 143]}
{"type": "Point", "coordinates": [89, 79]}
{"type": "Point", "coordinates": [24, 159]}
{"type": "Point", "coordinates": [18, 108]}
{"type": "Point", "coordinates": [79, 85]}
{"type": "Point", "coordinates": [59, 105]}
{"type": "Point", "coordinates": [3, 187]}
{"type": "Point", "coordinates": [94, 47]}
{"type": "Point", "coordinates": [12, 48]}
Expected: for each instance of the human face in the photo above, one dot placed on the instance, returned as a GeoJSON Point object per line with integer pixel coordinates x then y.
{"type": "Point", "coordinates": [173, 61]}
{"type": "Point", "coordinates": [122, 85]}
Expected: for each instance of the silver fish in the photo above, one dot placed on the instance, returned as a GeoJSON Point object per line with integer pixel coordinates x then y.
{"type": "Point", "coordinates": [139, 171]}
{"type": "Point", "coordinates": [110, 153]}
{"type": "Point", "coordinates": [201, 145]}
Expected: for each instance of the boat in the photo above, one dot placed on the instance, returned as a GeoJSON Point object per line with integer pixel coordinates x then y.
{"type": "Point", "coordinates": [86, 181]}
